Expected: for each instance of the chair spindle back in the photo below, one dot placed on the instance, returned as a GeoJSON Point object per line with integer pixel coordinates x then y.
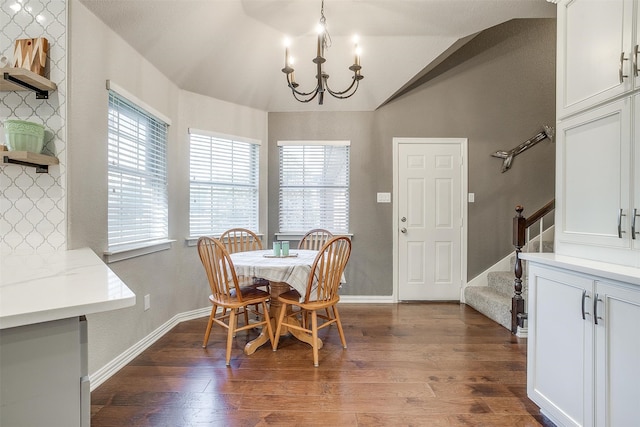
{"type": "Point", "coordinates": [327, 270]}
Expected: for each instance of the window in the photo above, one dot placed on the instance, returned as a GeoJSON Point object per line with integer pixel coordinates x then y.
{"type": "Point", "coordinates": [137, 176]}
{"type": "Point", "coordinates": [314, 186]}
{"type": "Point", "coordinates": [223, 183]}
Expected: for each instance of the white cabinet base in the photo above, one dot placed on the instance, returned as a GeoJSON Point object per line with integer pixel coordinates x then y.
{"type": "Point", "coordinates": [41, 373]}
{"type": "Point", "coordinates": [584, 346]}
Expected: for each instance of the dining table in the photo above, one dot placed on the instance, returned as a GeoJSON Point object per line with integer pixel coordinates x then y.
{"type": "Point", "coordinates": [283, 274]}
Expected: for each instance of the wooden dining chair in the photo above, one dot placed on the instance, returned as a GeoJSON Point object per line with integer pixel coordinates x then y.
{"type": "Point", "coordinates": [321, 294]}
{"type": "Point", "coordinates": [315, 239]}
{"type": "Point", "coordinates": [240, 240]}
{"type": "Point", "coordinates": [228, 295]}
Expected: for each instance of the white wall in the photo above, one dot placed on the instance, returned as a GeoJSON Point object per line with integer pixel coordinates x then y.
{"type": "Point", "coordinates": [174, 278]}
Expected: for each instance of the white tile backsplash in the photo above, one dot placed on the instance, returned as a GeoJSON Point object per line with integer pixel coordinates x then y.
{"type": "Point", "coordinates": [33, 211]}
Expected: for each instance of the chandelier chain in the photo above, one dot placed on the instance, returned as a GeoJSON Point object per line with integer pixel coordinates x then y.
{"type": "Point", "coordinates": [326, 38]}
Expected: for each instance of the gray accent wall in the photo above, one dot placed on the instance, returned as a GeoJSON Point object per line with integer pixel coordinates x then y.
{"type": "Point", "coordinates": [497, 91]}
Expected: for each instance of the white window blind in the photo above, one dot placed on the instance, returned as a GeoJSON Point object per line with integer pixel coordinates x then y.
{"type": "Point", "coordinates": [137, 175]}
{"type": "Point", "coordinates": [223, 189]}
{"type": "Point", "coordinates": [314, 186]}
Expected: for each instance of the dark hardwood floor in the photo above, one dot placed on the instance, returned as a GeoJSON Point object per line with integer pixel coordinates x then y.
{"type": "Point", "coordinates": [431, 364]}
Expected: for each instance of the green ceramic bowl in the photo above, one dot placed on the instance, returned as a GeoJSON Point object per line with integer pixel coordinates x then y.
{"type": "Point", "coordinates": [21, 135]}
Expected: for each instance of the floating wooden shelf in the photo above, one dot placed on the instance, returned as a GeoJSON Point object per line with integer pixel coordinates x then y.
{"type": "Point", "coordinates": [25, 158]}
{"type": "Point", "coordinates": [23, 79]}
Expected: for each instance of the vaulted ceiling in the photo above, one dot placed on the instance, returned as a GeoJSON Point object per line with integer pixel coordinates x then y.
{"type": "Point", "coordinates": [233, 49]}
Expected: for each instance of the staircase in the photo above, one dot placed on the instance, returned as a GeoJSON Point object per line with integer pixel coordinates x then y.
{"type": "Point", "coordinates": [494, 299]}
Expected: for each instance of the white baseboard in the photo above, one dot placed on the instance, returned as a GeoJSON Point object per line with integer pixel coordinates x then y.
{"type": "Point", "coordinates": [522, 332]}
{"type": "Point", "coordinates": [104, 373]}
{"type": "Point", "coordinates": [367, 299]}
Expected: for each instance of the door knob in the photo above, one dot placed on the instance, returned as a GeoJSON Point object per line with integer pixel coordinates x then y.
{"type": "Point", "coordinates": [403, 219]}
{"type": "Point", "coordinates": [403, 230]}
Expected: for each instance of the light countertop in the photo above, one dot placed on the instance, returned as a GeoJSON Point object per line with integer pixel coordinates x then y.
{"type": "Point", "coordinates": [38, 288]}
{"type": "Point", "coordinates": [606, 270]}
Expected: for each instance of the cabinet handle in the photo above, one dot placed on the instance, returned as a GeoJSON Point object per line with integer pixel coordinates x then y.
{"type": "Point", "coordinates": [584, 297]}
{"type": "Point", "coordinates": [620, 72]}
{"type": "Point", "coordinates": [633, 224]}
{"type": "Point", "coordinates": [595, 309]}
{"type": "Point", "coordinates": [635, 61]}
{"type": "Point", "coordinates": [620, 230]}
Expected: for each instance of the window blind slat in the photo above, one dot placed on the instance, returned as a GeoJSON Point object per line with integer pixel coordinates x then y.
{"type": "Point", "coordinates": [314, 187]}
{"type": "Point", "coordinates": [137, 174]}
{"type": "Point", "coordinates": [223, 190]}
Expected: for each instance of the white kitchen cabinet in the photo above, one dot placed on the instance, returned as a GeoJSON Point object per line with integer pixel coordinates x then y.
{"type": "Point", "coordinates": [598, 139]}
{"type": "Point", "coordinates": [617, 352]}
{"type": "Point", "coordinates": [593, 182]}
{"type": "Point", "coordinates": [43, 334]}
{"type": "Point", "coordinates": [44, 366]}
{"type": "Point", "coordinates": [583, 343]}
{"type": "Point", "coordinates": [560, 356]}
{"type": "Point", "coordinates": [595, 48]}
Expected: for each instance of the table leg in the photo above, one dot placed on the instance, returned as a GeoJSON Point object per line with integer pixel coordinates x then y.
{"type": "Point", "coordinates": [277, 288]}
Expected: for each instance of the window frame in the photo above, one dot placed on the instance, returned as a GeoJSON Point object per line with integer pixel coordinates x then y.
{"type": "Point", "coordinates": [252, 176]}
{"type": "Point", "coordinates": [293, 230]}
{"type": "Point", "coordinates": [138, 111]}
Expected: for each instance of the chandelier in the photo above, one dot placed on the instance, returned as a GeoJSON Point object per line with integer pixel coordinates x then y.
{"type": "Point", "coordinates": [322, 86]}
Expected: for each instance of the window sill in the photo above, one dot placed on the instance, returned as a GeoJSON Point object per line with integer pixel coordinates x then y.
{"type": "Point", "coordinates": [132, 251]}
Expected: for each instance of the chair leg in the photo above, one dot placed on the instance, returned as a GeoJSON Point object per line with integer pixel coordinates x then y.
{"type": "Point", "coordinates": [230, 334]}
{"type": "Point", "coordinates": [339, 323]}
{"type": "Point", "coordinates": [267, 319]}
{"type": "Point", "coordinates": [283, 310]}
{"type": "Point", "coordinates": [246, 316]}
{"type": "Point", "coordinates": [314, 337]}
{"type": "Point", "coordinates": [209, 325]}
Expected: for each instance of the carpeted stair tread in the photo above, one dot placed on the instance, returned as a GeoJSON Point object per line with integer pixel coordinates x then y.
{"type": "Point", "coordinates": [501, 281]}
{"type": "Point", "coordinates": [490, 302]}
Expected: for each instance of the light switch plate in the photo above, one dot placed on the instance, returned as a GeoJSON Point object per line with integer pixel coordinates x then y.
{"type": "Point", "coordinates": [472, 197]}
{"type": "Point", "coordinates": [384, 197]}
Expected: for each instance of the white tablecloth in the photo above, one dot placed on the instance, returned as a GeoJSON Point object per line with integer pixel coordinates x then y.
{"type": "Point", "coordinates": [293, 270]}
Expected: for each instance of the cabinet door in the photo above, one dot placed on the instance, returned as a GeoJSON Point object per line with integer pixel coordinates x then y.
{"type": "Point", "coordinates": [593, 180]}
{"type": "Point", "coordinates": [617, 354]}
{"type": "Point", "coordinates": [635, 211]}
{"type": "Point", "coordinates": [592, 36]}
{"type": "Point", "coordinates": [635, 58]}
{"type": "Point", "coordinates": [560, 348]}
{"type": "Point", "coordinates": [40, 367]}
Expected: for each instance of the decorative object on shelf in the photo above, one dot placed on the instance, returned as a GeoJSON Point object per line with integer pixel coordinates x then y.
{"type": "Point", "coordinates": [324, 42]}
{"type": "Point", "coordinates": [31, 54]}
{"type": "Point", "coordinates": [547, 132]}
{"type": "Point", "coordinates": [21, 135]}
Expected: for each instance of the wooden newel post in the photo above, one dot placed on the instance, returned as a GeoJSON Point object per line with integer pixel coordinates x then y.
{"type": "Point", "coordinates": [517, 302]}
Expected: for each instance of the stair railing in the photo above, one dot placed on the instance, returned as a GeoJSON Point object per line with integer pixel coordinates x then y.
{"type": "Point", "coordinates": [521, 234]}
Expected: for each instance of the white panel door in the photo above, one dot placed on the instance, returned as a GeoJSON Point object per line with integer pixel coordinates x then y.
{"type": "Point", "coordinates": [430, 195]}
